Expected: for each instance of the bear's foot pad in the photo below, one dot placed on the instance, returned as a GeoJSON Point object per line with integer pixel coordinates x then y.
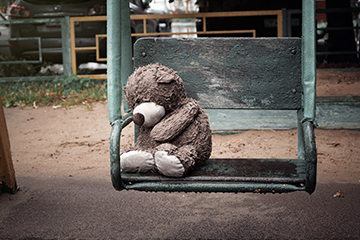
{"type": "Point", "coordinates": [136, 161]}
{"type": "Point", "coordinates": [169, 165]}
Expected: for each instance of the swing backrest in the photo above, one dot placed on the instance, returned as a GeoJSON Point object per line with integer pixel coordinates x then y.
{"type": "Point", "coordinates": [231, 73]}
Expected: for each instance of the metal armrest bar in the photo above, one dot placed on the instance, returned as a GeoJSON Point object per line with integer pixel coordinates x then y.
{"type": "Point", "coordinates": [310, 156]}
{"type": "Point", "coordinates": [115, 135]}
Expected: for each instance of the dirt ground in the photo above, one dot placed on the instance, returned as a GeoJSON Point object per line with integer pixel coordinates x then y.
{"type": "Point", "coordinates": [74, 142]}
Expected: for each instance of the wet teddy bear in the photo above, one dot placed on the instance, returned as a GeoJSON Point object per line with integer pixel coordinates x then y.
{"type": "Point", "coordinates": [174, 133]}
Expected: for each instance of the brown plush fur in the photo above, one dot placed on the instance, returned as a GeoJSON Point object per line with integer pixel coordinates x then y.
{"type": "Point", "coordinates": [184, 131]}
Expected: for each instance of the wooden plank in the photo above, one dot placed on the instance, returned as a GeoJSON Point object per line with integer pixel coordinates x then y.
{"type": "Point", "coordinates": [208, 14]}
{"type": "Point", "coordinates": [97, 39]}
{"type": "Point", "coordinates": [338, 116]}
{"type": "Point", "coordinates": [239, 119]}
{"type": "Point", "coordinates": [253, 32]}
{"type": "Point", "coordinates": [232, 73]}
{"type": "Point", "coordinates": [332, 112]}
{"type": "Point", "coordinates": [88, 19]}
{"type": "Point", "coordinates": [94, 76]}
{"type": "Point", "coordinates": [7, 173]}
{"type": "Point", "coordinates": [85, 48]}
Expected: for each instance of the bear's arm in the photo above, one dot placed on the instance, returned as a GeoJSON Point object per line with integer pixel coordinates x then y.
{"type": "Point", "coordinates": [171, 126]}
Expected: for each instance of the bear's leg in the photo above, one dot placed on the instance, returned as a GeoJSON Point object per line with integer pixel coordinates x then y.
{"type": "Point", "coordinates": [174, 162]}
{"type": "Point", "coordinates": [136, 161]}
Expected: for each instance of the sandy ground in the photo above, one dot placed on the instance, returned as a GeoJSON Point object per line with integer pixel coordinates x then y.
{"type": "Point", "coordinates": [75, 141]}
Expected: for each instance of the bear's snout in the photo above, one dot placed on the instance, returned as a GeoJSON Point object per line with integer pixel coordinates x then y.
{"type": "Point", "coordinates": [148, 114]}
{"type": "Point", "coordinates": [138, 119]}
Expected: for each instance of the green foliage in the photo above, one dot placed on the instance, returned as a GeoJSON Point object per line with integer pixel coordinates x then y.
{"type": "Point", "coordinates": [23, 69]}
{"type": "Point", "coordinates": [60, 92]}
{"type": "Point", "coordinates": [15, 70]}
{"type": "Point", "coordinates": [321, 33]}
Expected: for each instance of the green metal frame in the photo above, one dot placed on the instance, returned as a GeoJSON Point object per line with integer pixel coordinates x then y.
{"type": "Point", "coordinates": [120, 64]}
{"type": "Point", "coordinates": [65, 36]}
{"type": "Point", "coordinates": [26, 61]}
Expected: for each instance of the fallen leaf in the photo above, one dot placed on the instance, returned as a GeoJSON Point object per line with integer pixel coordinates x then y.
{"type": "Point", "coordinates": [333, 144]}
{"type": "Point", "coordinates": [338, 194]}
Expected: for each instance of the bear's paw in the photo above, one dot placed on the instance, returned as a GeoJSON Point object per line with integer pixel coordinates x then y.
{"type": "Point", "coordinates": [167, 165]}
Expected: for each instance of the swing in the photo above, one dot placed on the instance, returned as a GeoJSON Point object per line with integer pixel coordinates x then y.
{"type": "Point", "coordinates": [226, 76]}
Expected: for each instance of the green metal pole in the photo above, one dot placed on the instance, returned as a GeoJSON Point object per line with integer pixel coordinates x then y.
{"type": "Point", "coordinates": [126, 47]}
{"type": "Point", "coordinates": [65, 38]}
{"type": "Point", "coordinates": [119, 54]}
{"type": "Point", "coordinates": [308, 70]}
{"type": "Point", "coordinates": [114, 89]}
{"type": "Point", "coordinates": [113, 60]}
{"type": "Point", "coordinates": [308, 75]}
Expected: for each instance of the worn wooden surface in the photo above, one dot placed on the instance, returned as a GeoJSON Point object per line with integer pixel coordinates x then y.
{"type": "Point", "coordinates": [332, 112]}
{"type": "Point", "coordinates": [237, 120]}
{"type": "Point", "coordinates": [233, 170]}
{"type": "Point", "coordinates": [231, 72]}
{"type": "Point", "coordinates": [338, 112]}
{"type": "Point", "coordinates": [7, 173]}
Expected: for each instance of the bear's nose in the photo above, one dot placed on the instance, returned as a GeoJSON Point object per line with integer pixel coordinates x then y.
{"type": "Point", "coordinates": [138, 119]}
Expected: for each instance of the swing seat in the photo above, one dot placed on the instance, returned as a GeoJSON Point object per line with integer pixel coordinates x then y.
{"type": "Point", "coordinates": [228, 76]}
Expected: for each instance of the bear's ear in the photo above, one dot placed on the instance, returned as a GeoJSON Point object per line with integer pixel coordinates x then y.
{"type": "Point", "coordinates": [164, 74]}
{"type": "Point", "coordinates": [168, 78]}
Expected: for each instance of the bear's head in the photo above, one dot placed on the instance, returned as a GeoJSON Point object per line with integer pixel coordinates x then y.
{"type": "Point", "coordinates": [151, 92]}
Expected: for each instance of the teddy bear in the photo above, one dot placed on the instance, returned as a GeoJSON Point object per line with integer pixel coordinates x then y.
{"type": "Point", "coordinates": [175, 133]}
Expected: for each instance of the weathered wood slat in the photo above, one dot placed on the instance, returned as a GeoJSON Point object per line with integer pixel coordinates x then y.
{"type": "Point", "coordinates": [338, 115]}
{"type": "Point", "coordinates": [244, 119]}
{"type": "Point", "coordinates": [331, 113]}
{"type": "Point", "coordinates": [231, 72]}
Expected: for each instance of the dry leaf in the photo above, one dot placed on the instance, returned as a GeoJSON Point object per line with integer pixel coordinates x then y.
{"type": "Point", "coordinates": [339, 194]}
{"type": "Point", "coordinates": [333, 144]}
